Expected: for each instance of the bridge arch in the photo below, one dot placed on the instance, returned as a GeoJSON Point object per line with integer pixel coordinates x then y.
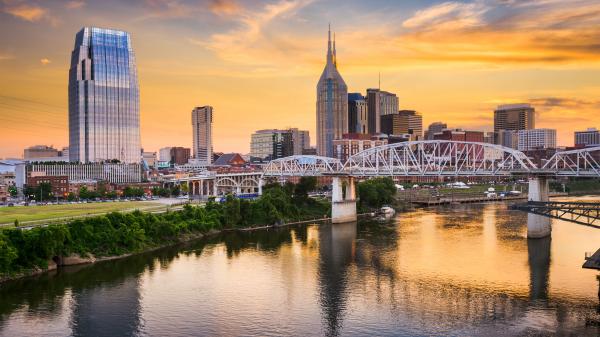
{"type": "Point", "coordinates": [302, 165]}
{"type": "Point", "coordinates": [580, 162]}
{"type": "Point", "coordinates": [438, 158]}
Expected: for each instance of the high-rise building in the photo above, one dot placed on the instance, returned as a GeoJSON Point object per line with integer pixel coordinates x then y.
{"type": "Point", "coordinates": [202, 118]}
{"type": "Point", "coordinates": [332, 104]}
{"type": "Point", "coordinates": [514, 117]}
{"type": "Point", "coordinates": [174, 155]}
{"type": "Point", "coordinates": [587, 138]}
{"type": "Point", "coordinates": [380, 103]}
{"type": "Point", "coordinates": [271, 144]}
{"type": "Point", "coordinates": [507, 138]}
{"type": "Point", "coordinates": [40, 151]}
{"type": "Point", "coordinates": [164, 154]}
{"type": "Point", "coordinates": [301, 140]}
{"type": "Point", "coordinates": [104, 115]}
{"type": "Point", "coordinates": [434, 128]}
{"type": "Point", "coordinates": [149, 158]}
{"type": "Point", "coordinates": [358, 114]}
{"type": "Point", "coordinates": [403, 122]}
{"type": "Point", "coordinates": [536, 139]}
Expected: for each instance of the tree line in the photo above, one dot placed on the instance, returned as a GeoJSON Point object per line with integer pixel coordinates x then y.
{"type": "Point", "coordinates": [120, 233]}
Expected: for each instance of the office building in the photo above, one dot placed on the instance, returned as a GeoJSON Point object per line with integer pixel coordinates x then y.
{"type": "Point", "coordinates": [110, 172]}
{"type": "Point", "coordinates": [459, 135]}
{"type": "Point", "coordinates": [58, 184]}
{"type": "Point", "coordinates": [587, 138]}
{"type": "Point", "coordinates": [353, 143]}
{"type": "Point", "coordinates": [358, 114]}
{"type": "Point", "coordinates": [507, 138]}
{"type": "Point", "coordinates": [175, 155]}
{"type": "Point", "coordinates": [104, 115]}
{"type": "Point", "coordinates": [403, 122]}
{"type": "Point", "coordinates": [379, 103]}
{"type": "Point", "coordinates": [434, 128]}
{"type": "Point", "coordinates": [202, 118]}
{"type": "Point", "coordinates": [300, 139]}
{"type": "Point", "coordinates": [40, 151]}
{"type": "Point", "coordinates": [271, 144]}
{"type": "Point", "coordinates": [332, 104]}
{"type": "Point", "coordinates": [514, 117]}
{"type": "Point", "coordinates": [149, 158]}
{"type": "Point", "coordinates": [536, 139]}
{"type": "Point", "coordinates": [489, 137]}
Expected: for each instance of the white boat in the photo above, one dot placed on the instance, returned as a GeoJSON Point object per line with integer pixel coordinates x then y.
{"type": "Point", "coordinates": [385, 213]}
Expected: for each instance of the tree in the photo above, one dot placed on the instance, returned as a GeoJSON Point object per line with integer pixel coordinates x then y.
{"type": "Point", "coordinates": [41, 192]}
{"type": "Point", "coordinates": [376, 192]}
{"type": "Point", "coordinates": [13, 191]}
{"type": "Point", "coordinates": [83, 192]}
{"type": "Point", "coordinates": [71, 196]}
{"type": "Point", "coordinates": [305, 185]}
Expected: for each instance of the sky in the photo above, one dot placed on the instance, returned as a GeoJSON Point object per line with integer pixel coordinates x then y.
{"type": "Point", "coordinates": [258, 62]}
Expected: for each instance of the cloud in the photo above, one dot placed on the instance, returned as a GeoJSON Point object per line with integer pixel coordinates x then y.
{"type": "Point", "coordinates": [550, 103]}
{"type": "Point", "coordinates": [224, 7]}
{"type": "Point", "coordinates": [252, 43]}
{"type": "Point", "coordinates": [75, 4]}
{"type": "Point", "coordinates": [31, 13]}
{"type": "Point", "coordinates": [448, 15]}
{"type": "Point", "coordinates": [45, 61]}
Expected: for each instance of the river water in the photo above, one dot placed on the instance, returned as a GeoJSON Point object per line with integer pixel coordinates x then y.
{"type": "Point", "coordinates": [461, 270]}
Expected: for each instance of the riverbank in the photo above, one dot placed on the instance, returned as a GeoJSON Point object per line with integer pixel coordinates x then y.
{"type": "Point", "coordinates": [30, 251]}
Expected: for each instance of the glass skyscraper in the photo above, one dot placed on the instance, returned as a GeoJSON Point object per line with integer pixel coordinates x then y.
{"type": "Point", "coordinates": [104, 114]}
{"type": "Point", "coordinates": [332, 104]}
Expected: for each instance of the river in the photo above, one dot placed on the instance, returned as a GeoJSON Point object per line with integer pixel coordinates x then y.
{"type": "Point", "coordinates": [460, 270]}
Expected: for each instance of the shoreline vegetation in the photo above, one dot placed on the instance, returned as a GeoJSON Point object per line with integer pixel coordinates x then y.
{"type": "Point", "coordinates": [117, 235]}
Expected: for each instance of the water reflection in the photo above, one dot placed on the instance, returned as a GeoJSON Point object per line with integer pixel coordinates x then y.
{"type": "Point", "coordinates": [336, 253]}
{"type": "Point", "coordinates": [465, 270]}
{"type": "Point", "coordinates": [539, 267]}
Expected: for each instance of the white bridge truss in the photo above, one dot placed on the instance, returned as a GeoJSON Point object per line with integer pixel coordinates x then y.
{"type": "Point", "coordinates": [581, 163]}
{"type": "Point", "coordinates": [438, 158]}
{"type": "Point", "coordinates": [302, 166]}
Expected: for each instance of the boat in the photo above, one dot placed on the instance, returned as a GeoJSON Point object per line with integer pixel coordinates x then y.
{"type": "Point", "coordinates": [385, 213]}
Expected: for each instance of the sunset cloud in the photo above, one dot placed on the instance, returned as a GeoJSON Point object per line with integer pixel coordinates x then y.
{"type": "Point", "coordinates": [45, 61]}
{"type": "Point", "coordinates": [26, 12]}
{"type": "Point", "coordinates": [448, 15]}
{"type": "Point", "coordinates": [224, 7]}
{"type": "Point", "coordinates": [74, 4]}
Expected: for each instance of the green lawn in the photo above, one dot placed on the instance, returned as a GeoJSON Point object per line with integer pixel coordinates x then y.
{"type": "Point", "coordinates": [49, 212]}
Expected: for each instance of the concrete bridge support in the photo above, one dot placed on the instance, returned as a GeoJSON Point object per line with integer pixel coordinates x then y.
{"type": "Point", "coordinates": [343, 201]}
{"type": "Point", "coordinates": [538, 226]}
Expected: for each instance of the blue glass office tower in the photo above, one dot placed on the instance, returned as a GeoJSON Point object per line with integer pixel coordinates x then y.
{"type": "Point", "coordinates": [104, 114]}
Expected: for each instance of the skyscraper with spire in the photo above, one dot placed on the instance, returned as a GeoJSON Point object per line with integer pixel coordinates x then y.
{"type": "Point", "coordinates": [332, 103]}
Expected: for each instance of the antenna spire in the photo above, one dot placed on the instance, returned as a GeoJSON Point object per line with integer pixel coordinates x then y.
{"type": "Point", "coordinates": [329, 53]}
{"type": "Point", "coordinates": [379, 85]}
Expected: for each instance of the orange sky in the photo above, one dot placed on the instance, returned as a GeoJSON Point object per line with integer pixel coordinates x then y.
{"type": "Point", "coordinates": [257, 62]}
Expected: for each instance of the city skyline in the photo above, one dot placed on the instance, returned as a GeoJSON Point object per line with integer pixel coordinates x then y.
{"type": "Point", "coordinates": [273, 51]}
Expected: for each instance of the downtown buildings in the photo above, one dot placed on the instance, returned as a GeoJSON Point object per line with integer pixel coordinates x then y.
{"type": "Point", "coordinates": [587, 138]}
{"type": "Point", "coordinates": [202, 118]}
{"type": "Point", "coordinates": [332, 104]}
{"type": "Point", "coordinates": [104, 116]}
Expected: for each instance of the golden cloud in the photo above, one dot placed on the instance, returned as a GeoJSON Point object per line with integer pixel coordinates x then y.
{"type": "Point", "coordinates": [45, 61]}
{"type": "Point", "coordinates": [224, 7]}
{"type": "Point", "coordinates": [26, 12]}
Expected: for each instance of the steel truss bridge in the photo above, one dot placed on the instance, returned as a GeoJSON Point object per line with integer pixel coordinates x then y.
{"type": "Point", "coordinates": [439, 158]}
{"type": "Point", "coordinates": [583, 213]}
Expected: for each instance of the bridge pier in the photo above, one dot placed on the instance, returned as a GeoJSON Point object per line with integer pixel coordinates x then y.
{"type": "Point", "coordinates": [538, 226]}
{"type": "Point", "coordinates": [343, 205]}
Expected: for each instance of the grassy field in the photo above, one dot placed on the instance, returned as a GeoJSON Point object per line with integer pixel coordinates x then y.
{"type": "Point", "coordinates": [49, 212]}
